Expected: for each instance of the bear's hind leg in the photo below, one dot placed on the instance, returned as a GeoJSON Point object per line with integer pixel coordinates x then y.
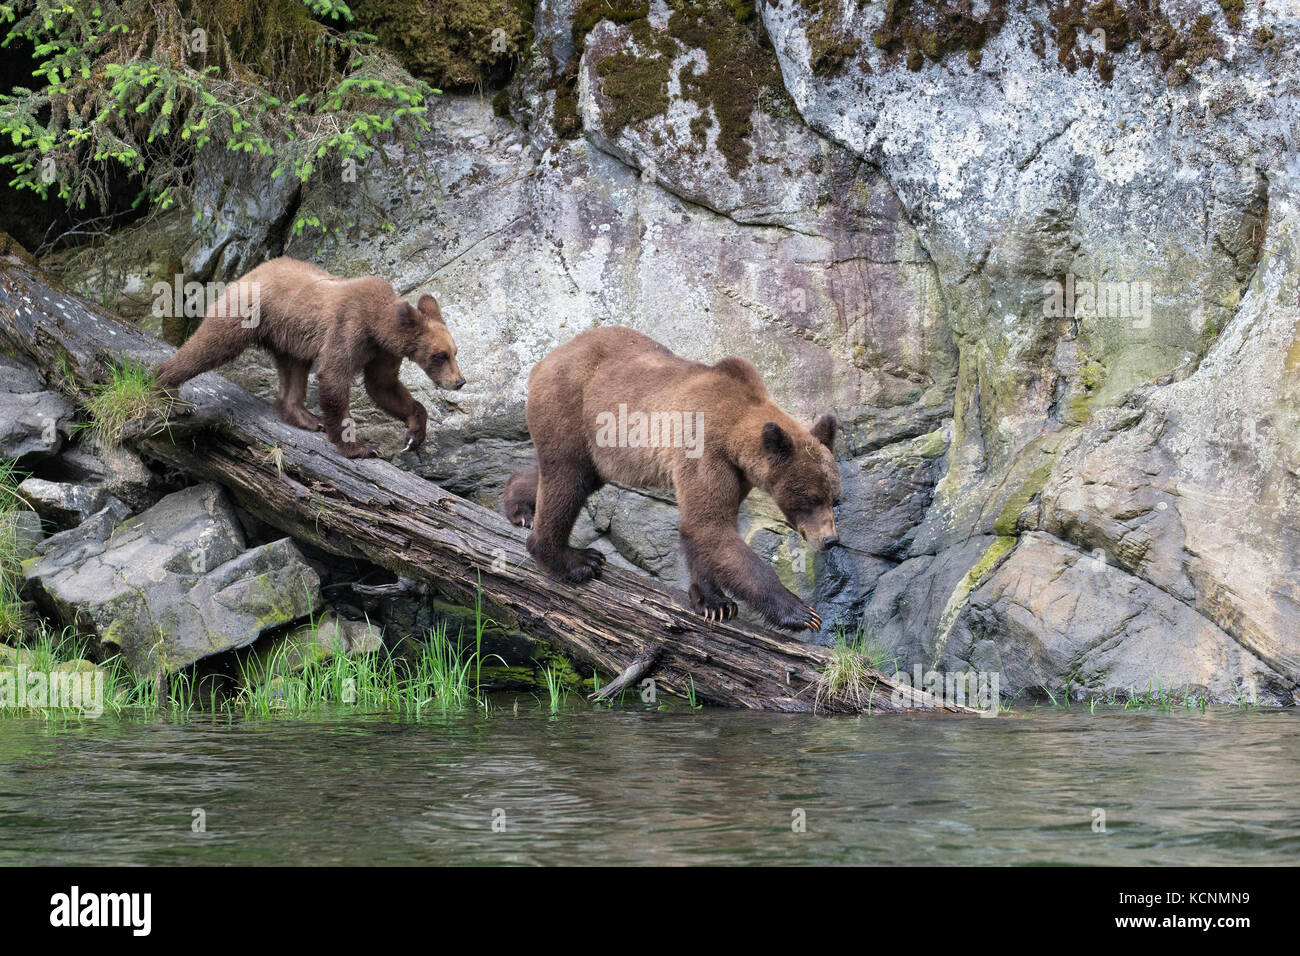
{"type": "Point", "coordinates": [291, 406]}
{"type": "Point", "coordinates": [562, 489]}
{"type": "Point", "coordinates": [213, 344]}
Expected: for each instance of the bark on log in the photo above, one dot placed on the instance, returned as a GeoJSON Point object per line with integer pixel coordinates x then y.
{"type": "Point", "coordinates": [297, 481]}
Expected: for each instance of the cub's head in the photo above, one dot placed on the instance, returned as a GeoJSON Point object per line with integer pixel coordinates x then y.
{"type": "Point", "coordinates": [803, 479]}
{"type": "Point", "coordinates": [426, 341]}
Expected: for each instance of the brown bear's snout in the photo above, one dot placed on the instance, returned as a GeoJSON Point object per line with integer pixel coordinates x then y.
{"type": "Point", "coordinates": [447, 377]}
{"type": "Point", "coordinates": [820, 534]}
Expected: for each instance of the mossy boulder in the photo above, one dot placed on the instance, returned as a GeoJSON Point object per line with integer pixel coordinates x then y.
{"type": "Point", "coordinates": [174, 585]}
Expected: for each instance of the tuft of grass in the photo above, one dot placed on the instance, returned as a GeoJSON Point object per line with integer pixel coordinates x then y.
{"type": "Point", "coordinates": [555, 688]}
{"type": "Point", "coordinates": [850, 674]}
{"type": "Point", "coordinates": [11, 503]}
{"type": "Point", "coordinates": [126, 398]}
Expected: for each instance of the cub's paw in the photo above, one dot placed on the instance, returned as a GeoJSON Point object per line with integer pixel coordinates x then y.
{"type": "Point", "coordinates": [359, 449]}
{"type": "Point", "coordinates": [800, 617]}
{"type": "Point", "coordinates": [713, 605]}
{"type": "Point", "coordinates": [521, 514]}
{"type": "Point", "coordinates": [415, 435]}
{"type": "Point", "coordinates": [301, 418]}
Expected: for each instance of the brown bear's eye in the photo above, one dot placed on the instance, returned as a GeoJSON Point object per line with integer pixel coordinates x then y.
{"type": "Point", "coordinates": [439, 356]}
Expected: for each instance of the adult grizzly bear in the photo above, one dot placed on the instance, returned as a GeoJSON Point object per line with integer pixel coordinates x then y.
{"type": "Point", "coordinates": [614, 405]}
{"type": "Point", "coordinates": [300, 314]}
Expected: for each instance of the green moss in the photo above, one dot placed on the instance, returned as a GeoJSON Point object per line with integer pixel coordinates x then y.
{"type": "Point", "coordinates": [931, 29]}
{"type": "Point", "coordinates": [969, 582]}
{"type": "Point", "coordinates": [588, 13]}
{"type": "Point", "coordinates": [565, 119]}
{"type": "Point", "coordinates": [636, 88]}
{"type": "Point", "coordinates": [1000, 546]}
{"type": "Point", "coordinates": [1179, 47]}
{"type": "Point", "coordinates": [501, 103]}
{"type": "Point", "coordinates": [562, 668]}
{"type": "Point", "coordinates": [1092, 375]}
{"type": "Point", "coordinates": [741, 75]}
{"type": "Point", "coordinates": [831, 47]}
{"type": "Point", "coordinates": [455, 44]}
{"type": "Point", "coordinates": [936, 443]}
{"type": "Point", "coordinates": [1037, 480]}
{"type": "Point", "coordinates": [1233, 9]}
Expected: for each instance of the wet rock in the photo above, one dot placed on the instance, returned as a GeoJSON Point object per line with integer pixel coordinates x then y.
{"type": "Point", "coordinates": [174, 584]}
{"type": "Point", "coordinates": [63, 504]}
{"type": "Point", "coordinates": [1052, 610]}
{"type": "Point", "coordinates": [33, 419]}
{"type": "Point", "coordinates": [88, 536]}
{"type": "Point", "coordinates": [119, 471]}
{"type": "Point", "coordinates": [328, 637]}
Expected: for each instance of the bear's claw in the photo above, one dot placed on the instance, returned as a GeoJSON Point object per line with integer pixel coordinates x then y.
{"type": "Point", "coordinates": [802, 618]}
{"type": "Point", "coordinates": [716, 613]}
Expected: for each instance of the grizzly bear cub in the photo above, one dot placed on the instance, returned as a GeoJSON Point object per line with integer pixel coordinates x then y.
{"type": "Point", "coordinates": [614, 405]}
{"type": "Point", "coordinates": [300, 313]}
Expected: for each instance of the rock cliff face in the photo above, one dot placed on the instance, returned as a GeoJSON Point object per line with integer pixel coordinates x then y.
{"type": "Point", "coordinates": [1042, 259]}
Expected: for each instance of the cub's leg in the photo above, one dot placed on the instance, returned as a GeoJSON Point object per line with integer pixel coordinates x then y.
{"type": "Point", "coordinates": [291, 405]}
{"type": "Point", "coordinates": [218, 340]}
{"type": "Point", "coordinates": [388, 393]}
{"type": "Point", "coordinates": [335, 382]}
{"type": "Point", "coordinates": [521, 497]}
{"type": "Point", "coordinates": [562, 488]}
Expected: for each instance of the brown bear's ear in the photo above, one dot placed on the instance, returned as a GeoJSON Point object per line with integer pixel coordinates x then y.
{"type": "Point", "coordinates": [429, 306]}
{"type": "Point", "coordinates": [824, 430]}
{"type": "Point", "coordinates": [776, 443]}
{"type": "Point", "coordinates": [405, 314]}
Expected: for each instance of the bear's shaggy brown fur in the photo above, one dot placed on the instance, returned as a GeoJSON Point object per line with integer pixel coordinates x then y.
{"type": "Point", "coordinates": [349, 325]}
{"type": "Point", "coordinates": [745, 441]}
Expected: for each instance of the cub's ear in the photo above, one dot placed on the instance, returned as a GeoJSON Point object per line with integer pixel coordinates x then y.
{"type": "Point", "coordinates": [777, 445]}
{"type": "Point", "coordinates": [405, 314]}
{"type": "Point", "coordinates": [825, 429]}
{"type": "Point", "coordinates": [429, 306]}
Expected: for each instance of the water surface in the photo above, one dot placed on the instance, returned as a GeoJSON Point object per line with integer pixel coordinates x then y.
{"type": "Point", "coordinates": [709, 786]}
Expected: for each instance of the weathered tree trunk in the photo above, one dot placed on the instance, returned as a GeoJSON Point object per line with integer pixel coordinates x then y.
{"type": "Point", "coordinates": [297, 481]}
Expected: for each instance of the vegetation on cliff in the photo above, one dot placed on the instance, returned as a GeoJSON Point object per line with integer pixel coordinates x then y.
{"type": "Point", "coordinates": [127, 86]}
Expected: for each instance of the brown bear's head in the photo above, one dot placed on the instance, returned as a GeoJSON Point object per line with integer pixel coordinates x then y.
{"type": "Point", "coordinates": [426, 342]}
{"type": "Point", "coordinates": [803, 479]}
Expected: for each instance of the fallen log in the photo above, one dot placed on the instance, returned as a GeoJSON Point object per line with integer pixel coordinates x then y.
{"type": "Point", "coordinates": [296, 481]}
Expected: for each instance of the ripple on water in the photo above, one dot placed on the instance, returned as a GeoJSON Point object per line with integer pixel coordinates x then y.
{"type": "Point", "coordinates": [670, 788]}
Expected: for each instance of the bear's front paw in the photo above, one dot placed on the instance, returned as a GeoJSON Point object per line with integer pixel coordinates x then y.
{"type": "Point", "coordinates": [800, 617]}
{"type": "Point", "coordinates": [359, 449]}
{"type": "Point", "coordinates": [712, 605]}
